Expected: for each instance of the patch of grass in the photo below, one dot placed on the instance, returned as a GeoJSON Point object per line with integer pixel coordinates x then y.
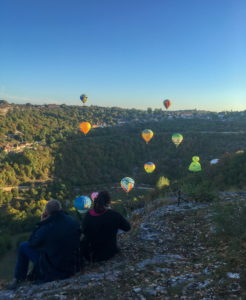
{"type": "Point", "coordinates": [230, 224]}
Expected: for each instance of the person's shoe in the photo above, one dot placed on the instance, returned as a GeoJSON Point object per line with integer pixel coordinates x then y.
{"type": "Point", "coordinates": [14, 285]}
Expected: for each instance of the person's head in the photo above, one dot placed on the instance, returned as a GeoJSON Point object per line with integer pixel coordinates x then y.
{"type": "Point", "coordinates": [52, 206]}
{"type": "Point", "coordinates": [102, 201]}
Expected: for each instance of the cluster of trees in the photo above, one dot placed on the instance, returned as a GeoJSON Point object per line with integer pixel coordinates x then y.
{"type": "Point", "coordinates": [50, 123]}
{"type": "Point", "coordinates": [29, 165]}
{"type": "Point", "coordinates": [228, 174]}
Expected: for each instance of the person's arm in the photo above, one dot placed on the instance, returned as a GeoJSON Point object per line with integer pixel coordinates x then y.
{"type": "Point", "coordinates": [39, 236]}
{"type": "Point", "coordinates": [124, 224]}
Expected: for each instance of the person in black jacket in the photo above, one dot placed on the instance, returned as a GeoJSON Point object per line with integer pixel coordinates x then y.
{"type": "Point", "coordinates": [100, 227]}
{"type": "Point", "coordinates": [52, 247]}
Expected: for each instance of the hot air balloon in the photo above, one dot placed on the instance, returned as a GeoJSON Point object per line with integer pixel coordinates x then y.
{"type": "Point", "coordinates": [195, 166]}
{"type": "Point", "coordinates": [94, 195]}
{"type": "Point", "coordinates": [147, 135]}
{"type": "Point", "coordinates": [166, 103]}
{"type": "Point", "coordinates": [239, 152]}
{"type": "Point", "coordinates": [195, 158]}
{"type": "Point", "coordinates": [214, 161]}
{"type": "Point", "coordinates": [177, 139]}
{"type": "Point", "coordinates": [82, 203]}
{"type": "Point", "coordinates": [149, 167]}
{"type": "Point", "coordinates": [127, 184]}
{"type": "Point", "coordinates": [85, 127]}
{"type": "Point", "coordinates": [83, 98]}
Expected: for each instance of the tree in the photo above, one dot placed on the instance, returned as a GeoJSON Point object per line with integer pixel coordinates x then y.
{"type": "Point", "coordinates": [4, 102]}
{"type": "Point", "coordinates": [149, 110]}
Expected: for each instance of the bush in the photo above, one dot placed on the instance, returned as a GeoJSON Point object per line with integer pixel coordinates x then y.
{"type": "Point", "coordinates": [200, 192]}
{"type": "Point", "coordinates": [5, 244]}
{"type": "Point", "coordinates": [230, 221]}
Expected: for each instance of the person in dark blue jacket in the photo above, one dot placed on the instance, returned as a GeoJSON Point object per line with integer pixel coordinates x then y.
{"type": "Point", "coordinates": [100, 227]}
{"type": "Point", "coordinates": [52, 247]}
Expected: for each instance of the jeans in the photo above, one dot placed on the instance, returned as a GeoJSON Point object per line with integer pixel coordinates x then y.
{"type": "Point", "coordinates": [26, 253]}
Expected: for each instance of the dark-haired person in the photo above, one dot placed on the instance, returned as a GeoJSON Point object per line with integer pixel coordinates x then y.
{"type": "Point", "coordinates": [100, 227]}
{"type": "Point", "coordinates": [52, 247]}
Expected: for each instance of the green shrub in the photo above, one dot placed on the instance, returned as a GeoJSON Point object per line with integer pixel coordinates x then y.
{"type": "Point", "coordinates": [200, 192]}
{"type": "Point", "coordinates": [230, 221]}
{"type": "Point", "coordinates": [5, 244]}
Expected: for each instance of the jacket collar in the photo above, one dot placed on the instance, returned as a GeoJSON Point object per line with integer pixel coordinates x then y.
{"type": "Point", "coordinates": [53, 216]}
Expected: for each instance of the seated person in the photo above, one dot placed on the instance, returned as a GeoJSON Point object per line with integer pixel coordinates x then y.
{"type": "Point", "coordinates": [52, 247]}
{"type": "Point", "coordinates": [100, 228]}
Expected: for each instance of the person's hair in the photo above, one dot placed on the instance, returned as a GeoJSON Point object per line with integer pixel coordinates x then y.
{"type": "Point", "coordinates": [101, 202]}
{"type": "Point", "coordinates": [52, 206]}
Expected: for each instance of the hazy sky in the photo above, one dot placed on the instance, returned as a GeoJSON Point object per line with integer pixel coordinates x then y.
{"type": "Point", "coordinates": [127, 53]}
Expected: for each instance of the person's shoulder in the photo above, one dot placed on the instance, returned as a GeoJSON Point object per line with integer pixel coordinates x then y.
{"type": "Point", "coordinates": [71, 219]}
{"type": "Point", "coordinates": [113, 213]}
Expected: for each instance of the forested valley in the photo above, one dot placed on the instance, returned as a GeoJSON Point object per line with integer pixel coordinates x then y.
{"type": "Point", "coordinates": [43, 155]}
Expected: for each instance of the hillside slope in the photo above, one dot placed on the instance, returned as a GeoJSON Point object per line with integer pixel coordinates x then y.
{"type": "Point", "coordinates": [167, 255]}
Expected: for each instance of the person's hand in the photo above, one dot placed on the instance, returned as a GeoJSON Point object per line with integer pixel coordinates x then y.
{"type": "Point", "coordinates": [44, 216]}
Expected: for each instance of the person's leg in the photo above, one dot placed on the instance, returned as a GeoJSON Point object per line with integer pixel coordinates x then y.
{"type": "Point", "coordinates": [25, 254]}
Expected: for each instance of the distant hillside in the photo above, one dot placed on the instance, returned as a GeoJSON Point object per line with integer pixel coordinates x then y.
{"type": "Point", "coordinates": [43, 142]}
{"type": "Point", "coordinates": [228, 174]}
{"type": "Point", "coordinates": [43, 154]}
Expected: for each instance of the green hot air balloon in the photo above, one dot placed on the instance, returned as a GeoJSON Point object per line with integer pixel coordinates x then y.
{"type": "Point", "coordinates": [195, 166]}
{"type": "Point", "coordinates": [177, 139]}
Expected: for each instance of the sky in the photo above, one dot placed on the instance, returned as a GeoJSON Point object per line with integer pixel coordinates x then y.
{"type": "Point", "coordinates": [127, 53]}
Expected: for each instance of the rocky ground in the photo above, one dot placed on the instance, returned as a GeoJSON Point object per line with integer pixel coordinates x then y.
{"type": "Point", "coordinates": [169, 254]}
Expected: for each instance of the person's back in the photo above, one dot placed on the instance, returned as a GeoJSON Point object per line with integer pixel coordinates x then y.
{"type": "Point", "coordinates": [52, 248]}
{"type": "Point", "coordinates": [100, 228]}
{"type": "Point", "coordinates": [57, 238]}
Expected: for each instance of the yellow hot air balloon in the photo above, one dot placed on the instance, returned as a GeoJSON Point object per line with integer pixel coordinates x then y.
{"type": "Point", "coordinates": [85, 127]}
{"type": "Point", "coordinates": [149, 167]}
{"type": "Point", "coordinates": [147, 135]}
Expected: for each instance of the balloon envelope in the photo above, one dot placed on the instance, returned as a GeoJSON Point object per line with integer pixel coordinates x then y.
{"type": "Point", "coordinates": [147, 135]}
{"type": "Point", "coordinates": [239, 152]}
{"type": "Point", "coordinates": [177, 139]}
{"type": "Point", "coordinates": [149, 167]}
{"type": "Point", "coordinates": [167, 103]}
{"type": "Point", "coordinates": [127, 184]}
{"type": "Point", "coordinates": [195, 158]}
{"type": "Point", "coordinates": [82, 203]}
{"type": "Point", "coordinates": [94, 195]}
{"type": "Point", "coordinates": [195, 167]}
{"type": "Point", "coordinates": [85, 127]}
{"type": "Point", "coordinates": [214, 161]}
{"type": "Point", "coordinates": [83, 98]}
